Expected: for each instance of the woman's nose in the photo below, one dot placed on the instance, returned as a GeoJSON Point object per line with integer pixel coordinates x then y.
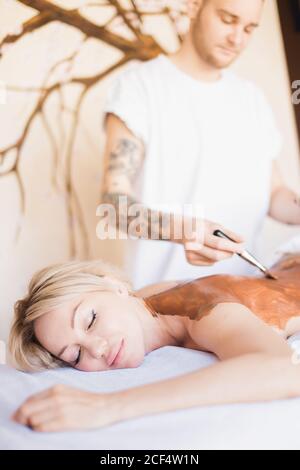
{"type": "Point", "coordinates": [97, 348]}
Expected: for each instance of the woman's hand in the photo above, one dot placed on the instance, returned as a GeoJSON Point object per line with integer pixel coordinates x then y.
{"type": "Point", "coordinates": [63, 408]}
{"type": "Point", "coordinates": [206, 249]}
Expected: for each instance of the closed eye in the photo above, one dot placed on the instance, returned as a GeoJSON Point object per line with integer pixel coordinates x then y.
{"type": "Point", "coordinates": [250, 30]}
{"type": "Point", "coordinates": [94, 316]}
{"type": "Point", "coordinates": [228, 20]}
{"type": "Point", "coordinates": [78, 357]}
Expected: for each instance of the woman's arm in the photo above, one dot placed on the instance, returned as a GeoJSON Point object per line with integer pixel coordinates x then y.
{"type": "Point", "coordinates": [250, 378]}
{"type": "Point", "coordinates": [257, 366]}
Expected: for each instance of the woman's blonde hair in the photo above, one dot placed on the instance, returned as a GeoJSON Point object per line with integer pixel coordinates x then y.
{"type": "Point", "coordinates": [49, 289]}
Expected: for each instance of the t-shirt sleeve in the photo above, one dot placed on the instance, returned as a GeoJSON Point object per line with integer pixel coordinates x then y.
{"type": "Point", "coordinates": [126, 98]}
{"type": "Point", "coordinates": [271, 137]}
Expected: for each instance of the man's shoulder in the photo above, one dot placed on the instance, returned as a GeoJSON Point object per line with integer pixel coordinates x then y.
{"type": "Point", "coordinates": [139, 69]}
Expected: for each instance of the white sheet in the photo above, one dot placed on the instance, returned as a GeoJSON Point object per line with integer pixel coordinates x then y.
{"type": "Point", "coordinates": [259, 426]}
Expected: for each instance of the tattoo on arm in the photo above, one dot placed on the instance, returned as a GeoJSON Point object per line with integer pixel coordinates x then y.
{"type": "Point", "coordinates": [152, 225]}
{"type": "Point", "coordinates": [125, 161]}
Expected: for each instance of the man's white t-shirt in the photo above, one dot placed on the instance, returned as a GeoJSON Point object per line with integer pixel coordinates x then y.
{"type": "Point", "coordinates": [209, 144]}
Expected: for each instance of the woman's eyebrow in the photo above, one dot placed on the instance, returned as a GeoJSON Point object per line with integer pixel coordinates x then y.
{"type": "Point", "coordinates": [72, 325]}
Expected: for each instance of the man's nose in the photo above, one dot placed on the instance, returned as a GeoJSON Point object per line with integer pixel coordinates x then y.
{"type": "Point", "coordinates": [236, 37]}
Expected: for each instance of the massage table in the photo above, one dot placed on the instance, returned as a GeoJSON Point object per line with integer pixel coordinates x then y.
{"type": "Point", "coordinates": [274, 425]}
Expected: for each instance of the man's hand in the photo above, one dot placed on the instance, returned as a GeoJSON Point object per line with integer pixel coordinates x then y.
{"type": "Point", "coordinates": [285, 206]}
{"type": "Point", "coordinates": [284, 203]}
{"type": "Point", "coordinates": [206, 249]}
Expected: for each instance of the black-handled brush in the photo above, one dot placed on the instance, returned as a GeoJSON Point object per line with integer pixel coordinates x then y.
{"type": "Point", "coordinates": [247, 256]}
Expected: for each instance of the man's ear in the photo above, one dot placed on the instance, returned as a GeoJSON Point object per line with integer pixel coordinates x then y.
{"type": "Point", "coordinates": [193, 8]}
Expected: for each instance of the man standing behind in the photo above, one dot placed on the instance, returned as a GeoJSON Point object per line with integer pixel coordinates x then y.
{"type": "Point", "coordinates": [183, 129]}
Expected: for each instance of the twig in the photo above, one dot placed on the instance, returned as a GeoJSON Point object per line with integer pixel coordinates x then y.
{"type": "Point", "coordinates": [31, 25]}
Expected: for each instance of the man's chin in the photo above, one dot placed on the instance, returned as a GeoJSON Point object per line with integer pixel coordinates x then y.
{"type": "Point", "coordinates": [222, 63]}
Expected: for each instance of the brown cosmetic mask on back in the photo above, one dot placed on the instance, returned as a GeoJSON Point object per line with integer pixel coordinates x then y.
{"type": "Point", "coordinates": [274, 301]}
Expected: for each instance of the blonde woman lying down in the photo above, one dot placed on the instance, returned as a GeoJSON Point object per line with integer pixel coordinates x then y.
{"type": "Point", "coordinates": [86, 315]}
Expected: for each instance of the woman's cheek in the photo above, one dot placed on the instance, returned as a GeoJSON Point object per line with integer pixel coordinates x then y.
{"type": "Point", "coordinates": [92, 365]}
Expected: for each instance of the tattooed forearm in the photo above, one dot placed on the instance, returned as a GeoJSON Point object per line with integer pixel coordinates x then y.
{"type": "Point", "coordinates": [138, 220]}
{"type": "Point", "coordinates": [132, 217]}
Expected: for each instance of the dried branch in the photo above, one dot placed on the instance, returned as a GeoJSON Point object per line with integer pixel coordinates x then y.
{"type": "Point", "coordinates": [123, 14]}
{"type": "Point", "coordinates": [81, 23]}
{"type": "Point", "coordinates": [142, 47]}
{"type": "Point", "coordinates": [31, 25]}
{"type": "Point", "coordinates": [13, 166]}
{"type": "Point", "coordinates": [69, 61]}
{"type": "Point", "coordinates": [73, 201]}
{"type": "Point", "coordinates": [136, 11]}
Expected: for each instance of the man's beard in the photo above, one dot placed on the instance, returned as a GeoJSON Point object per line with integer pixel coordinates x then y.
{"type": "Point", "coordinates": [212, 59]}
{"type": "Point", "coordinates": [205, 55]}
{"type": "Point", "coordinates": [219, 64]}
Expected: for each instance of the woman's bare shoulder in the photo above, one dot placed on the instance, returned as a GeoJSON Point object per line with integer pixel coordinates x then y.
{"type": "Point", "coordinates": [154, 289]}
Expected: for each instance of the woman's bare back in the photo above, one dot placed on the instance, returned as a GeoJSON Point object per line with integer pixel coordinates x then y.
{"type": "Point", "coordinates": [277, 303]}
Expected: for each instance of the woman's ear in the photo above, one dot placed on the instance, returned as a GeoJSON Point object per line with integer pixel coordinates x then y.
{"type": "Point", "coordinates": [119, 287]}
{"type": "Point", "coordinates": [123, 291]}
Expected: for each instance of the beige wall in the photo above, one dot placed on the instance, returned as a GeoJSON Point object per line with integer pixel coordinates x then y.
{"type": "Point", "coordinates": [44, 236]}
{"type": "Point", "coordinates": [265, 63]}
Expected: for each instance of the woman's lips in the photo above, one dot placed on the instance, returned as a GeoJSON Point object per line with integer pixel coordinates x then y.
{"type": "Point", "coordinates": [117, 356]}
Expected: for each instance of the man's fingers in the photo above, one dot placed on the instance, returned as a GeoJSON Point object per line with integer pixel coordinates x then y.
{"type": "Point", "coordinates": [196, 258]}
{"type": "Point", "coordinates": [237, 238]}
{"type": "Point", "coordinates": [221, 244]}
{"type": "Point", "coordinates": [193, 246]}
{"type": "Point", "coordinates": [210, 255]}
{"type": "Point", "coordinates": [215, 255]}
{"type": "Point", "coordinates": [201, 263]}
{"type": "Point", "coordinates": [199, 260]}
{"type": "Point", "coordinates": [213, 248]}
